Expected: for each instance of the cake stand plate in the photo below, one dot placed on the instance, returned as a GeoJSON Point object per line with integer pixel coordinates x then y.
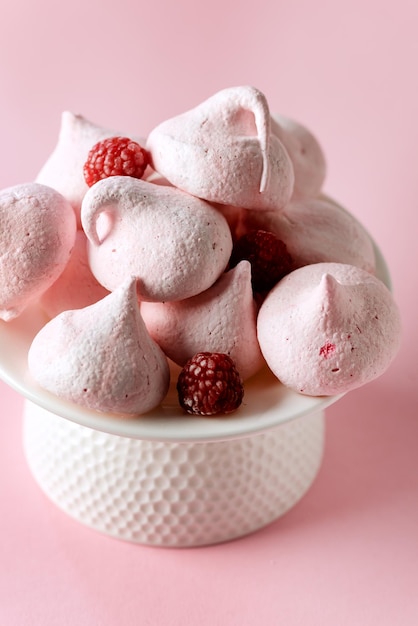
{"type": "Point", "coordinates": [167, 479]}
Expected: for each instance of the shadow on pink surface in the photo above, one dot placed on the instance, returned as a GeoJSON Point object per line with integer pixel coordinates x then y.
{"type": "Point", "coordinates": [369, 465]}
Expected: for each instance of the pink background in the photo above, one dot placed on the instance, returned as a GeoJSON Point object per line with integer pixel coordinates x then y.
{"type": "Point", "coordinates": [348, 552]}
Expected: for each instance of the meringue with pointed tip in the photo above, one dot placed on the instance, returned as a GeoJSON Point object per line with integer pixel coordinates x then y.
{"type": "Point", "coordinates": [223, 151]}
{"type": "Point", "coordinates": [76, 287]}
{"type": "Point", "coordinates": [316, 230]}
{"type": "Point", "coordinates": [221, 319]}
{"type": "Point", "coordinates": [102, 357]}
{"type": "Point", "coordinates": [176, 245]}
{"type": "Point", "coordinates": [306, 154]}
{"type": "Point", "coordinates": [37, 232]}
{"type": "Point", "coordinates": [328, 328]}
{"type": "Point", "coordinates": [63, 170]}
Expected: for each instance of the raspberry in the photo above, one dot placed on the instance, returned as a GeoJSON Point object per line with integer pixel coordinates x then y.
{"type": "Point", "coordinates": [116, 156]}
{"type": "Point", "coordinates": [268, 255]}
{"type": "Point", "coordinates": [210, 384]}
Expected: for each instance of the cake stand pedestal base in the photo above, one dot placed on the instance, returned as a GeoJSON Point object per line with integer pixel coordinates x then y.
{"type": "Point", "coordinates": [172, 494]}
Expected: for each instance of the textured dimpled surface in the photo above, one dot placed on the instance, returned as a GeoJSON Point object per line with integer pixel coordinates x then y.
{"type": "Point", "coordinates": [172, 494]}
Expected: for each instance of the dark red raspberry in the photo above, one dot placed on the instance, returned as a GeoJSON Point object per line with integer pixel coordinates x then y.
{"type": "Point", "coordinates": [210, 384]}
{"type": "Point", "coordinates": [268, 255]}
{"type": "Point", "coordinates": [116, 156]}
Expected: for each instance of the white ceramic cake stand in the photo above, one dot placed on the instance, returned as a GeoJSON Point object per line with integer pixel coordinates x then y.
{"type": "Point", "coordinates": [167, 479]}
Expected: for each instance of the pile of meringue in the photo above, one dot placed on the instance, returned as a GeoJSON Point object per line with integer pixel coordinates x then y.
{"type": "Point", "coordinates": [133, 273]}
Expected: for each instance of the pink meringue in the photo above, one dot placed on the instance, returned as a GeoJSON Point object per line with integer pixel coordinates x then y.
{"type": "Point", "coordinates": [175, 244]}
{"type": "Point", "coordinates": [221, 319]}
{"type": "Point", "coordinates": [223, 151]}
{"type": "Point", "coordinates": [37, 231]}
{"type": "Point", "coordinates": [63, 169]}
{"type": "Point", "coordinates": [328, 328]}
{"type": "Point", "coordinates": [306, 154]}
{"type": "Point", "coordinates": [76, 287]}
{"type": "Point", "coordinates": [102, 356]}
{"type": "Point", "coordinates": [316, 231]}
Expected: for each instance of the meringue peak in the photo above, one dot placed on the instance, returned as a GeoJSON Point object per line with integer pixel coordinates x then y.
{"type": "Point", "coordinates": [219, 153]}
{"type": "Point", "coordinates": [221, 319]}
{"type": "Point", "coordinates": [332, 293]}
{"type": "Point", "coordinates": [102, 356]}
{"type": "Point", "coordinates": [332, 337]}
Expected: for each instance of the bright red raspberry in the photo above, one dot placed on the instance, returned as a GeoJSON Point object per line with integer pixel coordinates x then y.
{"type": "Point", "coordinates": [268, 255]}
{"type": "Point", "coordinates": [210, 384]}
{"type": "Point", "coordinates": [115, 156]}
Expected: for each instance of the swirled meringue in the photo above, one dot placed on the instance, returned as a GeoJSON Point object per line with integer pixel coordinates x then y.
{"type": "Point", "coordinates": [328, 328]}
{"type": "Point", "coordinates": [223, 151]}
{"type": "Point", "coordinates": [102, 356]}
{"type": "Point", "coordinates": [175, 244]}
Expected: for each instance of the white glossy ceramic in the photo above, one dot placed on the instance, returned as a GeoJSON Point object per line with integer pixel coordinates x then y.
{"type": "Point", "coordinates": [165, 478]}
